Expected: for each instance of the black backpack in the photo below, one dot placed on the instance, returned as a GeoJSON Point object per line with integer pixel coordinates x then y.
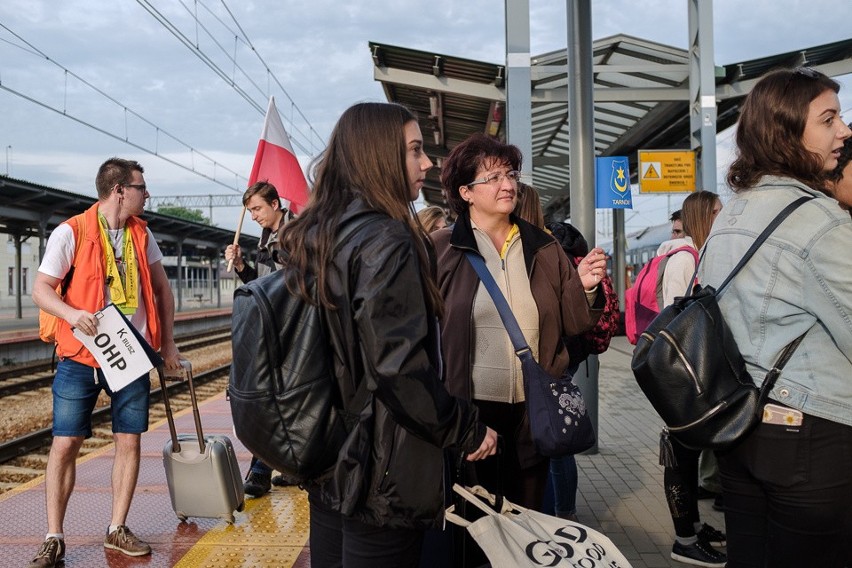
{"type": "Point", "coordinates": [691, 369]}
{"type": "Point", "coordinates": [285, 400]}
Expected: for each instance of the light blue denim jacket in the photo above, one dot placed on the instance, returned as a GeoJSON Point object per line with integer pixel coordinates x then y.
{"type": "Point", "coordinates": [799, 280]}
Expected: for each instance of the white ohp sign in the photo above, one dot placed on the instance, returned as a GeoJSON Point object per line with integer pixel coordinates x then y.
{"type": "Point", "coordinates": [117, 349]}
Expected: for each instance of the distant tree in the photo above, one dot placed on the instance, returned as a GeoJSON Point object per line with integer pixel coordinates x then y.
{"type": "Point", "coordinates": [183, 213]}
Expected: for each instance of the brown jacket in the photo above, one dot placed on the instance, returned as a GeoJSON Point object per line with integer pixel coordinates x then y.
{"type": "Point", "coordinates": [556, 287]}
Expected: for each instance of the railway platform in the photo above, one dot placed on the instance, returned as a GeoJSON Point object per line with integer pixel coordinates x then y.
{"type": "Point", "coordinates": [620, 494]}
{"type": "Point", "coordinates": [269, 532]}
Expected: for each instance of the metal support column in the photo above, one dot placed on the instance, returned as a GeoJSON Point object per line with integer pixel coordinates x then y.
{"type": "Point", "coordinates": [19, 307]}
{"type": "Point", "coordinates": [702, 92]}
{"type": "Point", "coordinates": [179, 280]}
{"type": "Point", "coordinates": [42, 234]}
{"type": "Point", "coordinates": [581, 132]}
{"type": "Point", "coordinates": [519, 79]}
{"type": "Point", "coordinates": [619, 261]}
{"type": "Point", "coordinates": [217, 276]}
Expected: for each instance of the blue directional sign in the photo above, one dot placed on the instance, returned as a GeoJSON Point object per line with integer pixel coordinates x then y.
{"type": "Point", "coordinates": [612, 183]}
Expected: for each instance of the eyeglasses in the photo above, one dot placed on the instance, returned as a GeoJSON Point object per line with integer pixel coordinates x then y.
{"type": "Point", "coordinates": [140, 186]}
{"type": "Point", "coordinates": [497, 178]}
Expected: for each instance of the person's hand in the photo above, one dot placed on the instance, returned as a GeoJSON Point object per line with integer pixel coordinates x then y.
{"type": "Point", "coordinates": [171, 356]}
{"type": "Point", "coordinates": [235, 253]}
{"type": "Point", "coordinates": [487, 448]}
{"type": "Point", "coordinates": [592, 268]}
{"type": "Point", "coordinates": [85, 321]}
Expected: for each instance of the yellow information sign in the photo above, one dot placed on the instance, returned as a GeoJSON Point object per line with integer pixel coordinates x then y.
{"type": "Point", "coordinates": [666, 171]}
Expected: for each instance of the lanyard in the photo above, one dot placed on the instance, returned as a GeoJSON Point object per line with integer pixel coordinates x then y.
{"type": "Point", "coordinates": [122, 284]}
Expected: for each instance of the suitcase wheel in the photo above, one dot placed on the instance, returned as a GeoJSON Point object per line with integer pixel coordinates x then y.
{"type": "Point", "coordinates": [228, 519]}
{"type": "Point", "coordinates": [181, 517]}
{"type": "Point", "coordinates": [241, 507]}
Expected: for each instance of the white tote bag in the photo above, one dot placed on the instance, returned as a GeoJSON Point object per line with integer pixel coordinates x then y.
{"type": "Point", "coordinates": [522, 538]}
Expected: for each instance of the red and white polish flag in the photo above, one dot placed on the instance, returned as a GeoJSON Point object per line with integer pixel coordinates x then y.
{"type": "Point", "coordinates": [276, 163]}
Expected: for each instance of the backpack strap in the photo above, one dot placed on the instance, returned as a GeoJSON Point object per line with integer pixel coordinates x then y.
{"type": "Point", "coordinates": [661, 269]}
{"type": "Point", "coordinates": [761, 238]}
{"type": "Point", "coordinates": [787, 352]}
{"type": "Point", "coordinates": [79, 230]}
{"type": "Point", "coordinates": [775, 371]}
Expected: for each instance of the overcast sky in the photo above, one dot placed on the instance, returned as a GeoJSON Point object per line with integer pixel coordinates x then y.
{"type": "Point", "coordinates": [121, 67]}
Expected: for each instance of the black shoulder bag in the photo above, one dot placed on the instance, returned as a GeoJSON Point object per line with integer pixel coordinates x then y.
{"type": "Point", "coordinates": [559, 422]}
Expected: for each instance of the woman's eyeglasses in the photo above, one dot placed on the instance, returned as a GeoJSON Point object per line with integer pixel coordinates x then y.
{"type": "Point", "coordinates": [497, 178]}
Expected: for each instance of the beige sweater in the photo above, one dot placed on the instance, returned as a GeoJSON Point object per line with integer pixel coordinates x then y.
{"type": "Point", "coordinates": [496, 370]}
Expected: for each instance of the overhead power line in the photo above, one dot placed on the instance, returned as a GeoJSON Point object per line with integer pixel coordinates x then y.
{"type": "Point", "coordinates": [239, 36]}
{"type": "Point", "coordinates": [153, 151]}
{"type": "Point", "coordinates": [297, 136]}
{"type": "Point", "coordinates": [33, 50]}
{"type": "Point", "coordinates": [271, 73]}
{"type": "Point", "coordinates": [164, 21]}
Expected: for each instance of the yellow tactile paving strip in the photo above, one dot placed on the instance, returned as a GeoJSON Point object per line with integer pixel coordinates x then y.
{"type": "Point", "coordinates": [272, 532]}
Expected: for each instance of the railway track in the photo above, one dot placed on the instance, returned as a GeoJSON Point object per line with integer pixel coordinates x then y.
{"type": "Point", "coordinates": [25, 457]}
{"type": "Point", "coordinates": [40, 375]}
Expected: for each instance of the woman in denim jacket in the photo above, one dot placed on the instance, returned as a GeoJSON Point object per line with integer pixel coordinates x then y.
{"type": "Point", "coordinates": [788, 485]}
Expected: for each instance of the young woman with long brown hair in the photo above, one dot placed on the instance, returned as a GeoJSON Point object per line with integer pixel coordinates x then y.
{"type": "Point", "coordinates": [381, 303]}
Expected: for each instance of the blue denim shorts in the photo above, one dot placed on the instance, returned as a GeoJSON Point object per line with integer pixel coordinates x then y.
{"type": "Point", "coordinates": [75, 392]}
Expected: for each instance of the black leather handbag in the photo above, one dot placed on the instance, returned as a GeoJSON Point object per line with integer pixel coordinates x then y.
{"type": "Point", "coordinates": [692, 372]}
{"type": "Point", "coordinates": [559, 422]}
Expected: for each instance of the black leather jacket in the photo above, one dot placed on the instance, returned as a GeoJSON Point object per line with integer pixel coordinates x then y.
{"type": "Point", "coordinates": [390, 472]}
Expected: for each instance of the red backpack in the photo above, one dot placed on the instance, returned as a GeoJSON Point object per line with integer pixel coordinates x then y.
{"type": "Point", "coordinates": [642, 301]}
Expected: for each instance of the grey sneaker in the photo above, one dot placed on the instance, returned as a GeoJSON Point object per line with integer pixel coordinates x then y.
{"type": "Point", "coordinates": [51, 553]}
{"type": "Point", "coordinates": [124, 541]}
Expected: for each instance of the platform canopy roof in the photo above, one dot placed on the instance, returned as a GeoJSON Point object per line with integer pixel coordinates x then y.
{"type": "Point", "coordinates": [25, 206]}
{"type": "Point", "coordinates": [641, 94]}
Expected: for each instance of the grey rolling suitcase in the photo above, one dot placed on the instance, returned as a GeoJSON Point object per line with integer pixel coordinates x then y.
{"type": "Point", "coordinates": [202, 471]}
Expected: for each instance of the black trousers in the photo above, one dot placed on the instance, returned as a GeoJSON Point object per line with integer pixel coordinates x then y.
{"type": "Point", "coordinates": [788, 496]}
{"type": "Point", "coordinates": [340, 542]}
{"type": "Point", "coordinates": [522, 486]}
{"type": "Point", "coordinates": [681, 486]}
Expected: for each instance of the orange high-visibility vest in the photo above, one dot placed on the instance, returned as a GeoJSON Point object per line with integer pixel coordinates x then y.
{"type": "Point", "coordinates": [86, 290]}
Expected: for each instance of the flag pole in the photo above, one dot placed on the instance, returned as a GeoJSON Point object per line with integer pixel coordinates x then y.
{"type": "Point", "coordinates": [237, 236]}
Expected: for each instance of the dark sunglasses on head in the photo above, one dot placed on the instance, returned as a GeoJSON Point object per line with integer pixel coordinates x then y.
{"type": "Point", "coordinates": [802, 72]}
{"type": "Point", "coordinates": [808, 72]}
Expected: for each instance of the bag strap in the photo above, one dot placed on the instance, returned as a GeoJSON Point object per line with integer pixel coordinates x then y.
{"type": "Point", "coordinates": [79, 230]}
{"type": "Point", "coordinates": [509, 321]}
{"type": "Point", "coordinates": [761, 238]}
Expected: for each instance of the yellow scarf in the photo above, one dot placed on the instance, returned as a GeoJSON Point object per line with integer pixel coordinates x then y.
{"type": "Point", "coordinates": [122, 284]}
{"type": "Point", "coordinates": [512, 232]}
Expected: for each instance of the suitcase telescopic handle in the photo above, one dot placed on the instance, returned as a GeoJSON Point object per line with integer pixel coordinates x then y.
{"type": "Point", "coordinates": [169, 417]}
{"type": "Point", "coordinates": [195, 413]}
{"type": "Point", "coordinates": [187, 368]}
